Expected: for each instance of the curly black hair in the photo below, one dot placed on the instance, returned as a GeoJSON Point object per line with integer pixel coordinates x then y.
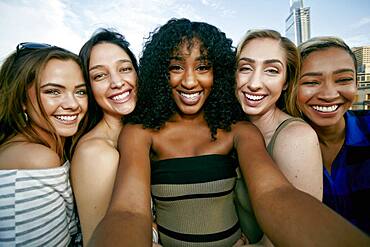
{"type": "Point", "coordinates": [155, 104]}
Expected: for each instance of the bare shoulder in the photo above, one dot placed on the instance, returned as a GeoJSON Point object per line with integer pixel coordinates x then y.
{"type": "Point", "coordinates": [297, 132]}
{"type": "Point", "coordinates": [93, 152]}
{"type": "Point", "coordinates": [24, 155]}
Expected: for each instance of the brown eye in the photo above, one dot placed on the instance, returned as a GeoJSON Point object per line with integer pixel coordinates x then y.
{"type": "Point", "coordinates": [99, 76]}
{"type": "Point", "coordinates": [348, 79]}
{"type": "Point", "coordinates": [52, 91]}
{"type": "Point", "coordinates": [175, 68]}
{"type": "Point", "coordinates": [203, 67]}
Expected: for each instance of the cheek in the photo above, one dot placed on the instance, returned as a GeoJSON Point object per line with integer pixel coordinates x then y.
{"type": "Point", "coordinates": [99, 89]}
{"type": "Point", "coordinates": [83, 102]}
{"type": "Point", "coordinates": [174, 80]}
{"type": "Point", "coordinates": [349, 92]}
{"type": "Point", "coordinates": [49, 104]}
{"type": "Point", "coordinates": [241, 80]}
{"type": "Point", "coordinates": [208, 82]}
{"type": "Point", "coordinates": [304, 94]}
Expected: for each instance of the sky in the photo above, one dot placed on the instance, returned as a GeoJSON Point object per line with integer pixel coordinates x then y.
{"type": "Point", "coordinates": [70, 23]}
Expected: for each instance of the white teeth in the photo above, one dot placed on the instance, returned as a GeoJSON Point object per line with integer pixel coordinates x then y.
{"type": "Point", "coordinates": [190, 95]}
{"type": "Point", "coordinates": [121, 96]}
{"type": "Point", "coordinates": [253, 97]}
{"type": "Point", "coordinates": [67, 117]}
{"type": "Point", "coordinates": [325, 108]}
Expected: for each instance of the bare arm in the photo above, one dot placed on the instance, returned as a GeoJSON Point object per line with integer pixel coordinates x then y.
{"type": "Point", "coordinates": [93, 172]}
{"type": "Point", "coordinates": [128, 220]}
{"type": "Point", "coordinates": [297, 153]}
{"type": "Point", "coordinates": [288, 216]}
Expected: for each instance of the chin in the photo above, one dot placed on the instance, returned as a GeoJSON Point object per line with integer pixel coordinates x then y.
{"type": "Point", "coordinates": [127, 109]}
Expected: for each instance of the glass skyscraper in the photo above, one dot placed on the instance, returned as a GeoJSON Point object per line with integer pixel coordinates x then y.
{"type": "Point", "coordinates": [297, 25]}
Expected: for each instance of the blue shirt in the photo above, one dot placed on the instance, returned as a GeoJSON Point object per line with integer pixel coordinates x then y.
{"type": "Point", "coordinates": [347, 188]}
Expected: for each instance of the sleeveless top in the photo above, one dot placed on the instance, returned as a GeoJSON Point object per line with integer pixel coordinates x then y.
{"type": "Point", "coordinates": [37, 207]}
{"type": "Point", "coordinates": [248, 221]}
{"type": "Point", "coordinates": [193, 199]}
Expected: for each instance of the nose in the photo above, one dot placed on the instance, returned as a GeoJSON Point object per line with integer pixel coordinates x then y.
{"type": "Point", "coordinates": [70, 102]}
{"type": "Point", "coordinates": [328, 91]}
{"type": "Point", "coordinates": [189, 81]}
{"type": "Point", "coordinates": [116, 80]}
{"type": "Point", "coordinates": [255, 81]}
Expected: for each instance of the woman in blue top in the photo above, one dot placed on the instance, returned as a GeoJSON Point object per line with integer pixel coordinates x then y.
{"type": "Point", "coordinates": [326, 89]}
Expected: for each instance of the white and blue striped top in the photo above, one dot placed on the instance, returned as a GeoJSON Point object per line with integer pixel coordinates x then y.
{"type": "Point", "coordinates": [36, 207]}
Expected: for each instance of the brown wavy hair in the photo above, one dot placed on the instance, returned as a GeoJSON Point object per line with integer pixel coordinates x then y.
{"type": "Point", "coordinates": [21, 70]}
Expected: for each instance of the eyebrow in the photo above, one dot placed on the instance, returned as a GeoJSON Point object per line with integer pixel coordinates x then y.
{"type": "Point", "coordinates": [61, 86]}
{"type": "Point", "coordinates": [343, 70]}
{"type": "Point", "coordinates": [320, 73]}
{"type": "Point", "coordinates": [120, 61]}
{"type": "Point", "coordinates": [181, 58]}
{"type": "Point", "coordinates": [268, 61]}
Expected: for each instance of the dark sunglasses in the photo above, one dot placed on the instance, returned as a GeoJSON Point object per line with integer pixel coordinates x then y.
{"type": "Point", "coordinates": [31, 46]}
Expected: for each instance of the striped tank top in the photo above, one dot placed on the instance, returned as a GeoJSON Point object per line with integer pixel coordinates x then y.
{"type": "Point", "coordinates": [193, 200]}
{"type": "Point", "coordinates": [36, 207]}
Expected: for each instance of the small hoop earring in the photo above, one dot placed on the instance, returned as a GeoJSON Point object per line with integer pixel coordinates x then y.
{"type": "Point", "coordinates": [25, 116]}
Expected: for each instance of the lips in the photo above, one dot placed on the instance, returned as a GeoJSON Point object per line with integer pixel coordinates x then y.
{"type": "Point", "coordinates": [190, 98]}
{"type": "Point", "coordinates": [67, 119]}
{"type": "Point", "coordinates": [121, 97]}
{"type": "Point", "coordinates": [325, 109]}
{"type": "Point", "coordinates": [253, 97]}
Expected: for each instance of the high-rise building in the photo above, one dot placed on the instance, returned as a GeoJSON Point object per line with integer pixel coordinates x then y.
{"type": "Point", "coordinates": [297, 25]}
{"type": "Point", "coordinates": [362, 100]}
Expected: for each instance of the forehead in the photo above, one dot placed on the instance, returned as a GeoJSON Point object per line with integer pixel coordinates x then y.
{"type": "Point", "coordinates": [190, 47]}
{"type": "Point", "coordinates": [264, 49]}
{"type": "Point", "coordinates": [107, 51]}
{"type": "Point", "coordinates": [327, 60]}
{"type": "Point", "coordinates": [61, 72]}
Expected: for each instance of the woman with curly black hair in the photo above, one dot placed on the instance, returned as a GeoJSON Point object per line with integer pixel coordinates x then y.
{"type": "Point", "coordinates": [177, 147]}
{"type": "Point", "coordinates": [154, 110]}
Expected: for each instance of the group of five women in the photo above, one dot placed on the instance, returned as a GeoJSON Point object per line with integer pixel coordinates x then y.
{"type": "Point", "coordinates": [209, 141]}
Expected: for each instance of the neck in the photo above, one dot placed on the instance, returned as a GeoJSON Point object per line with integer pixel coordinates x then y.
{"type": "Point", "coordinates": [333, 134]}
{"type": "Point", "coordinates": [112, 126]}
{"type": "Point", "coordinates": [195, 118]}
{"type": "Point", "coordinates": [267, 122]}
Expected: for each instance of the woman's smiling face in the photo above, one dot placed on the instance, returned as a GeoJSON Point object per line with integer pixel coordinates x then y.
{"type": "Point", "coordinates": [260, 75]}
{"type": "Point", "coordinates": [327, 86]}
{"type": "Point", "coordinates": [191, 78]}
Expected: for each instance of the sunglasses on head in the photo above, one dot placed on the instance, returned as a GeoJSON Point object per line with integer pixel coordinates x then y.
{"type": "Point", "coordinates": [31, 46]}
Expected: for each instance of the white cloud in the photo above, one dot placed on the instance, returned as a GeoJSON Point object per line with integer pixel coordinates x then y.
{"type": "Point", "coordinates": [361, 23]}
{"type": "Point", "coordinates": [357, 40]}
{"type": "Point", "coordinates": [37, 21]}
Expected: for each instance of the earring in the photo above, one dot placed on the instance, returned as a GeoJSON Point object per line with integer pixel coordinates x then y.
{"type": "Point", "coordinates": [25, 116]}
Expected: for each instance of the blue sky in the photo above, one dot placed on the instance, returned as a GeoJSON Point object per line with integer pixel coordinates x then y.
{"type": "Point", "coordinates": [69, 23]}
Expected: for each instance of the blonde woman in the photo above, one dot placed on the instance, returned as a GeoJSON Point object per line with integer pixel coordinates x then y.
{"type": "Point", "coordinates": [267, 65]}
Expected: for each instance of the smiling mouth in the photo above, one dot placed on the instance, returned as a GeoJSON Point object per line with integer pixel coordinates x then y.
{"type": "Point", "coordinates": [254, 97]}
{"type": "Point", "coordinates": [67, 118]}
{"type": "Point", "coordinates": [121, 97]}
{"type": "Point", "coordinates": [325, 109]}
{"type": "Point", "coordinates": [190, 98]}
